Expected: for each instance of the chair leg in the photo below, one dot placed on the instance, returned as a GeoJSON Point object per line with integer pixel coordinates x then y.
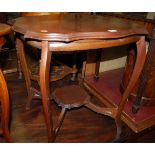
{"type": "Point", "coordinates": [60, 120]}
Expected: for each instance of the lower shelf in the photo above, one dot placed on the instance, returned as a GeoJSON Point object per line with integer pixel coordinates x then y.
{"type": "Point", "coordinates": [107, 89]}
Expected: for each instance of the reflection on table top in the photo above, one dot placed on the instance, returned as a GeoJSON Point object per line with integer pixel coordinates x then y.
{"type": "Point", "coordinates": [70, 27]}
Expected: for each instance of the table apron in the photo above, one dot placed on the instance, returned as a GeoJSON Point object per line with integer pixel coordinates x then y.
{"type": "Point", "coordinates": [86, 44]}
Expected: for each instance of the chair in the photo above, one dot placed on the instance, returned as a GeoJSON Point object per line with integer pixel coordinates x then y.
{"type": "Point", "coordinates": [5, 108]}
{"type": "Point", "coordinates": [31, 72]}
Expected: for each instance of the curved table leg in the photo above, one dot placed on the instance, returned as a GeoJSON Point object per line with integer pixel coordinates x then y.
{"type": "Point", "coordinates": [44, 88]}
{"type": "Point", "coordinates": [140, 60]}
{"type": "Point", "coordinates": [24, 67]}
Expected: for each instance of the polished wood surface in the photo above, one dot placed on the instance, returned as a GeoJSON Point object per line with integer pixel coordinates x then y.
{"type": "Point", "coordinates": [74, 27]}
{"type": "Point", "coordinates": [78, 32]}
{"type": "Point", "coordinates": [5, 108]}
{"type": "Point", "coordinates": [4, 95]}
{"type": "Point", "coordinates": [141, 20]}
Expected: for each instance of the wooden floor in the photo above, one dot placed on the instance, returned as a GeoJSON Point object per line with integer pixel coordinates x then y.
{"type": "Point", "coordinates": [80, 125]}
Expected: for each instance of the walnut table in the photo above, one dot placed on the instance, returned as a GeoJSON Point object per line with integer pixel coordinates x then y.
{"type": "Point", "coordinates": [74, 32]}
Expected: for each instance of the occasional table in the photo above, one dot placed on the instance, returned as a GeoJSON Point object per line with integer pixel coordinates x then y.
{"type": "Point", "coordinates": [77, 32]}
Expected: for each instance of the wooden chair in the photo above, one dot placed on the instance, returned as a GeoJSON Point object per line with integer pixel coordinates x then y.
{"type": "Point", "coordinates": [5, 108]}
{"type": "Point", "coordinates": [31, 72]}
{"type": "Point", "coordinates": [4, 96]}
